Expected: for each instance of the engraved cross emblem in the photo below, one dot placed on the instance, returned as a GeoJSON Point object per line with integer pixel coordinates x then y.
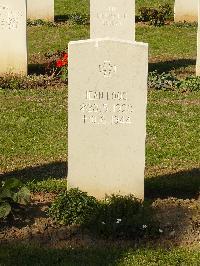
{"type": "Point", "coordinates": [107, 69]}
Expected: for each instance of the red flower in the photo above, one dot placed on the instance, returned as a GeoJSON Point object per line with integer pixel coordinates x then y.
{"type": "Point", "coordinates": [59, 63]}
{"type": "Point", "coordinates": [63, 61]}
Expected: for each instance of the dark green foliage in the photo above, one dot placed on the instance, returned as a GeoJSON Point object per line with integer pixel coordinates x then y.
{"type": "Point", "coordinates": [73, 207]}
{"type": "Point", "coordinates": [191, 83]}
{"type": "Point", "coordinates": [13, 194]}
{"type": "Point", "coordinates": [164, 81]}
{"type": "Point", "coordinates": [123, 217]}
{"type": "Point", "coordinates": [168, 82]}
{"type": "Point", "coordinates": [155, 16]}
{"type": "Point", "coordinates": [80, 19]}
{"type": "Point", "coordinates": [116, 216]}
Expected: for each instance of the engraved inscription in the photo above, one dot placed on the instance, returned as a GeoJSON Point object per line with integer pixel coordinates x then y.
{"type": "Point", "coordinates": [111, 17]}
{"type": "Point", "coordinates": [107, 69]}
{"type": "Point", "coordinates": [9, 19]}
{"type": "Point", "coordinates": [106, 107]}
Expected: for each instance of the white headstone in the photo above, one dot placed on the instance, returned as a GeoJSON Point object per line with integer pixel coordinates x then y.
{"type": "Point", "coordinates": [13, 44]}
{"type": "Point", "coordinates": [112, 19]}
{"type": "Point", "coordinates": [40, 9]}
{"type": "Point", "coordinates": [186, 11]}
{"type": "Point", "coordinates": [198, 43]}
{"type": "Point", "coordinates": [107, 116]}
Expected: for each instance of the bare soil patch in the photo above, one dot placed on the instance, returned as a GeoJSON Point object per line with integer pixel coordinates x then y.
{"type": "Point", "coordinates": [179, 226]}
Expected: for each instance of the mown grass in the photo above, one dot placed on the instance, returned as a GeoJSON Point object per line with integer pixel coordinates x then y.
{"type": "Point", "coordinates": [33, 127]}
{"type": "Point", "coordinates": [65, 7]}
{"type": "Point", "coordinates": [165, 42]}
{"type": "Point", "coordinates": [34, 131]}
{"type": "Point", "coordinates": [172, 48]}
{"type": "Point", "coordinates": [27, 255]}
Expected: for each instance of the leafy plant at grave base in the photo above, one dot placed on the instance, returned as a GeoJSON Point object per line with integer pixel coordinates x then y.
{"type": "Point", "coordinates": [13, 195]}
{"type": "Point", "coordinates": [155, 16]}
{"type": "Point", "coordinates": [191, 83]}
{"type": "Point", "coordinates": [40, 22]}
{"type": "Point", "coordinates": [123, 217]}
{"type": "Point", "coordinates": [164, 81]}
{"type": "Point", "coordinates": [57, 65]}
{"type": "Point", "coordinates": [73, 207]}
{"type": "Point", "coordinates": [115, 216]}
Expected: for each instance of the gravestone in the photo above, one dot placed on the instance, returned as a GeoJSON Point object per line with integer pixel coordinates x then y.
{"type": "Point", "coordinates": [112, 19]}
{"type": "Point", "coordinates": [198, 43]}
{"type": "Point", "coordinates": [40, 9]}
{"type": "Point", "coordinates": [107, 114]}
{"type": "Point", "coordinates": [13, 44]}
{"type": "Point", "coordinates": [186, 11]}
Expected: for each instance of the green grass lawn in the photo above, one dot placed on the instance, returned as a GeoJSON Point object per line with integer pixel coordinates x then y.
{"type": "Point", "coordinates": [21, 255]}
{"type": "Point", "coordinates": [33, 135]}
{"type": "Point", "coordinates": [63, 7]}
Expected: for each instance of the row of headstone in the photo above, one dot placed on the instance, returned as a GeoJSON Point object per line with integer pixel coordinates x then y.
{"type": "Point", "coordinates": [107, 104]}
{"type": "Point", "coordinates": [119, 24]}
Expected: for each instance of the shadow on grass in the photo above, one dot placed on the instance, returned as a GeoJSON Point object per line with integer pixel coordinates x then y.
{"type": "Point", "coordinates": [37, 69]}
{"type": "Point", "coordinates": [183, 184]}
{"type": "Point", "coordinates": [61, 18]}
{"type": "Point", "coordinates": [32, 255]}
{"type": "Point", "coordinates": [56, 170]}
{"type": "Point", "coordinates": [166, 66]}
{"type": "Point", "coordinates": [98, 256]}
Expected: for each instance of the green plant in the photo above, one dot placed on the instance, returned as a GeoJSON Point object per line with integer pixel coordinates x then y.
{"type": "Point", "coordinates": [191, 83]}
{"type": "Point", "coordinates": [164, 81]}
{"type": "Point", "coordinates": [13, 194]}
{"type": "Point", "coordinates": [123, 217]}
{"type": "Point", "coordinates": [115, 216]}
{"type": "Point", "coordinates": [155, 16]}
{"type": "Point", "coordinates": [73, 207]}
{"type": "Point", "coordinates": [57, 65]}
{"type": "Point", "coordinates": [80, 19]}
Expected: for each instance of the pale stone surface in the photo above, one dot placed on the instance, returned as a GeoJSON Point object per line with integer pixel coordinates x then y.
{"type": "Point", "coordinates": [198, 43]}
{"type": "Point", "coordinates": [40, 9]}
{"type": "Point", "coordinates": [107, 116]}
{"type": "Point", "coordinates": [186, 10]}
{"type": "Point", "coordinates": [13, 44]}
{"type": "Point", "coordinates": [112, 19]}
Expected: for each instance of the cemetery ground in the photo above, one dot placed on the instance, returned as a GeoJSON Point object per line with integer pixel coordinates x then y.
{"type": "Point", "coordinates": [33, 137]}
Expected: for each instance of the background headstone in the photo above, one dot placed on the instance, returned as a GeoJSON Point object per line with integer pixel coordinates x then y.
{"type": "Point", "coordinates": [107, 116]}
{"type": "Point", "coordinates": [13, 44]}
{"type": "Point", "coordinates": [112, 19]}
{"type": "Point", "coordinates": [40, 9]}
{"type": "Point", "coordinates": [186, 10]}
